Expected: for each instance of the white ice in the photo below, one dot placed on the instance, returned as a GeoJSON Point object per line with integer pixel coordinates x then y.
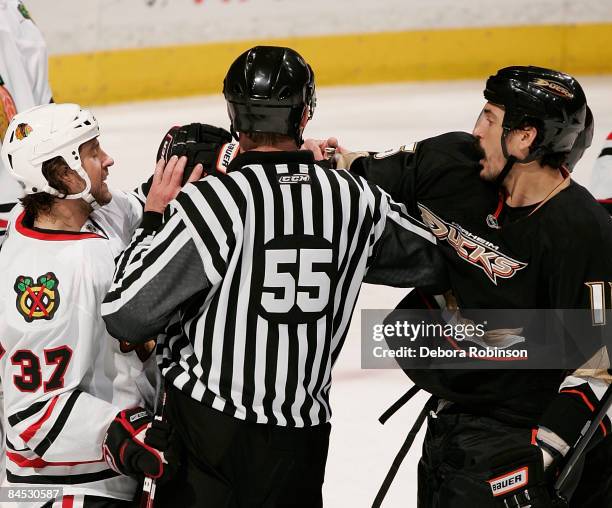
{"type": "Point", "coordinates": [374, 118]}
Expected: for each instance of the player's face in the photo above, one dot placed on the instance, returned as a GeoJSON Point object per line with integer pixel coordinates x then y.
{"type": "Point", "coordinates": [96, 162]}
{"type": "Point", "coordinates": [488, 131]}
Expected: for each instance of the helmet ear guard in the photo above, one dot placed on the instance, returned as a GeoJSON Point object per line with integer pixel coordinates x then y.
{"type": "Point", "coordinates": [44, 133]}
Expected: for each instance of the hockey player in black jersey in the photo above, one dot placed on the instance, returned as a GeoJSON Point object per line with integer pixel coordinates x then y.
{"type": "Point", "coordinates": [517, 232]}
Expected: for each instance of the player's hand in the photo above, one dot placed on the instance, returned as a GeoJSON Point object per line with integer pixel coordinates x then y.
{"type": "Point", "coordinates": [345, 159]}
{"type": "Point", "coordinates": [319, 147]}
{"type": "Point", "coordinates": [201, 143]}
{"type": "Point", "coordinates": [167, 182]}
{"type": "Point", "coordinates": [143, 351]}
{"type": "Point", "coordinates": [517, 478]}
{"type": "Point", "coordinates": [136, 445]}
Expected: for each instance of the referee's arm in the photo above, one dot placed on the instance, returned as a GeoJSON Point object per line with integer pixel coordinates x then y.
{"type": "Point", "coordinates": [155, 274]}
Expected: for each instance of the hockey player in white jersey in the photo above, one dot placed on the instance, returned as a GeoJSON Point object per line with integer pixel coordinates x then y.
{"type": "Point", "coordinates": [67, 383]}
{"type": "Point", "coordinates": [24, 83]}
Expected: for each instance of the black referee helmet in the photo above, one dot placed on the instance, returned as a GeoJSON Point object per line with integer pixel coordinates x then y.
{"type": "Point", "coordinates": [267, 90]}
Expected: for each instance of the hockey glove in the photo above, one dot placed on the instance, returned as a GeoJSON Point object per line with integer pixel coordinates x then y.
{"type": "Point", "coordinates": [135, 444]}
{"type": "Point", "coordinates": [202, 144]}
{"type": "Point", "coordinates": [518, 479]}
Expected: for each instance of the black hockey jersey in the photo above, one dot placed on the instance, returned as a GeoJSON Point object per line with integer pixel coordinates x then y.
{"type": "Point", "coordinates": [558, 257]}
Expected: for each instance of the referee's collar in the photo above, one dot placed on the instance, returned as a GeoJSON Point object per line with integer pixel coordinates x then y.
{"type": "Point", "coordinates": [256, 157]}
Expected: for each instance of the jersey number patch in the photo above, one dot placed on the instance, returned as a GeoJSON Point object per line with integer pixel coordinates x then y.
{"type": "Point", "coordinates": [30, 378]}
{"type": "Point", "coordinates": [297, 282]}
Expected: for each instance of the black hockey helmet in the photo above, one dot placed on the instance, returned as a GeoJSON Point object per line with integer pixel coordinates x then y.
{"type": "Point", "coordinates": [267, 89]}
{"type": "Point", "coordinates": [553, 99]}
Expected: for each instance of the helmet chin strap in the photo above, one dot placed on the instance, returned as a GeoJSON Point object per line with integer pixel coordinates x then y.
{"type": "Point", "coordinates": [85, 194]}
{"type": "Point", "coordinates": [511, 160]}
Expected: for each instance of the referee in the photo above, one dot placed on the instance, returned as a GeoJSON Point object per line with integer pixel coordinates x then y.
{"type": "Point", "coordinates": [251, 284]}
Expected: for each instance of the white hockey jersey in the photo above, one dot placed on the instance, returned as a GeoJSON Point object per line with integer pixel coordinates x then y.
{"type": "Point", "coordinates": [24, 83]}
{"type": "Point", "coordinates": [601, 177]}
{"type": "Point", "coordinates": [64, 377]}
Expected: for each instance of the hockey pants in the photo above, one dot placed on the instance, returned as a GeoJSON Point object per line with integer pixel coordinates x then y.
{"type": "Point", "coordinates": [230, 463]}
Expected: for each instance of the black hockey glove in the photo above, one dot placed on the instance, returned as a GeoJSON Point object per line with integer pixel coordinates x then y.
{"type": "Point", "coordinates": [202, 144]}
{"type": "Point", "coordinates": [135, 444]}
{"type": "Point", "coordinates": [518, 479]}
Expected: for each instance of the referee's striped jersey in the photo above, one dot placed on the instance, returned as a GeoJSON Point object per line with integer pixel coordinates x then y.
{"type": "Point", "coordinates": [253, 280]}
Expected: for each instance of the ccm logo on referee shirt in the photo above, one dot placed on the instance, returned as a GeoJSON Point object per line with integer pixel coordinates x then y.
{"type": "Point", "coordinates": [509, 482]}
{"type": "Point", "coordinates": [294, 178]}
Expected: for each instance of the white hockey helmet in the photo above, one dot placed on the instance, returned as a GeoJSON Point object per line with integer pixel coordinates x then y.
{"type": "Point", "coordinates": [43, 133]}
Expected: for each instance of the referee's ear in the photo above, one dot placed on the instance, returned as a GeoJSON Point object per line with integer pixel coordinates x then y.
{"type": "Point", "coordinates": [305, 118]}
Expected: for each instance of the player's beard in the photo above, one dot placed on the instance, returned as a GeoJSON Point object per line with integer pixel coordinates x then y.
{"type": "Point", "coordinates": [103, 195]}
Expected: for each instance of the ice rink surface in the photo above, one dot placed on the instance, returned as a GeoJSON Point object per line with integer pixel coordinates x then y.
{"type": "Point", "coordinates": [375, 118]}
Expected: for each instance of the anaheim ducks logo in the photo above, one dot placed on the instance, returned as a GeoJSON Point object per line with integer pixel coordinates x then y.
{"type": "Point", "coordinates": [38, 300]}
{"type": "Point", "coordinates": [553, 87]}
{"type": "Point", "coordinates": [22, 131]}
{"type": "Point", "coordinates": [471, 248]}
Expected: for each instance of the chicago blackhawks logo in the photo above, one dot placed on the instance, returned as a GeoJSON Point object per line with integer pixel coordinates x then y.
{"type": "Point", "coordinates": [22, 131]}
{"type": "Point", "coordinates": [38, 300]}
{"type": "Point", "coordinates": [471, 248]}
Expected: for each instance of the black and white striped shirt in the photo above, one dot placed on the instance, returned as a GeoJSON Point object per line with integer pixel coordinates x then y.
{"type": "Point", "coordinates": [253, 280]}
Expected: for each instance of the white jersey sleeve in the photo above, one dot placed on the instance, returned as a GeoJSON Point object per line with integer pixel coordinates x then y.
{"type": "Point", "coordinates": [601, 177]}
{"type": "Point", "coordinates": [24, 83]}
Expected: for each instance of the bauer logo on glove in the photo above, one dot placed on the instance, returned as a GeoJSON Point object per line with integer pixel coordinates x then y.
{"type": "Point", "coordinates": [518, 479]}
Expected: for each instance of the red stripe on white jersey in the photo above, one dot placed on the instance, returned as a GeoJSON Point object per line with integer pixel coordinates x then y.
{"type": "Point", "coordinates": [22, 461]}
{"type": "Point", "coordinates": [29, 433]}
{"type": "Point", "coordinates": [51, 236]}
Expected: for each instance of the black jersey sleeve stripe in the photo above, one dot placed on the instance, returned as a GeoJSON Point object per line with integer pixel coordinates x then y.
{"type": "Point", "coordinates": [57, 427]}
{"type": "Point", "coordinates": [7, 207]}
{"type": "Point", "coordinates": [606, 151]}
{"type": "Point", "coordinates": [14, 419]}
{"type": "Point", "coordinates": [74, 479]}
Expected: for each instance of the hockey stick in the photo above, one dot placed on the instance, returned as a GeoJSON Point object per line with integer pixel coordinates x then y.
{"type": "Point", "coordinates": [578, 450]}
{"type": "Point", "coordinates": [148, 488]}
